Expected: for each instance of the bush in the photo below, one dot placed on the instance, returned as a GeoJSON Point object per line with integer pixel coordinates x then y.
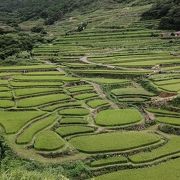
{"type": "Point", "coordinates": [38, 29]}
{"type": "Point", "coordinates": [169, 129]}
{"type": "Point", "coordinates": [168, 13]}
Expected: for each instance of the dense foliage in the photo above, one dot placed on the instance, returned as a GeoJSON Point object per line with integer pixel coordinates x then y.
{"type": "Point", "coordinates": [167, 11]}
{"type": "Point", "coordinates": [11, 44]}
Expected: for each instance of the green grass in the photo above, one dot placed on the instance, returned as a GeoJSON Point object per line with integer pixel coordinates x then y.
{"type": "Point", "coordinates": [46, 78]}
{"type": "Point", "coordinates": [7, 94]}
{"type": "Point", "coordinates": [6, 103]}
{"type": "Point", "coordinates": [164, 171]}
{"type": "Point", "coordinates": [40, 100]}
{"type": "Point", "coordinates": [115, 141]}
{"type": "Point", "coordinates": [61, 105]}
{"type": "Point", "coordinates": [163, 112]}
{"type": "Point", "coordinates": [36, 84]}
{"type": "Point", "coordinates": [73, 120]}
{"type": "Point", "coordinates": [108, 80]}
{"type": "Point", "coordinates": [4, 88]}
{"type": "Point", "coordinates": [74, 129]}
{"type": "Point", "coordinates": [12, 121]}
{"type": "Point", "coordinates": [131, 91]}
{"type": "Point", "coordinates": [45, 73]}
{"type": "Point", "coordinates": [84, 96]}
{"type": "Point", "coordinates": [74, 112]}
{"type": "Point", "coordinates": [31, 91]}
{"type": "Point", "coordinates": [97, 103]}
{"type": "Point", "coordinates": [25, 68]}
{"type": "Point", "coordinates": [169, 120]}
{"type": "Point", "coordinates": [131, 100]}
{"type": "Point", "coordinates": [48, 141]}
{"type": "Point", "coordinates": [80, 88]}
{"type": "Point", "coordinates": [3, 82]}
{"type": "Point", "coordinates": [118, 117]}
{"type": "Point", "coordinates": [170, 148]}
{"type": "Point", "coordinates": [28, 133]}
{"type": "Point", "coordinates": [108, 161]}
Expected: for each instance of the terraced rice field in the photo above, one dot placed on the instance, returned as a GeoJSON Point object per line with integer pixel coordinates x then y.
{"type": "Point", "coordinates": [102, 100]}
{"type": "Point", "coordinates": [118, 117]}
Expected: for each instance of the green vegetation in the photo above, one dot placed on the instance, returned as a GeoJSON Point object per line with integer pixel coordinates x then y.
{"type": "Point", "coordinates": [40, 100]}
{"type": "Point", "coordinates": [84, 96]}
{"type": "Point", "coordinates": [164, 112]}
{"type": "Point", "coordinates": [6, 103]}
{"type": "Point", "coordinates": [169, 120]}
{"type": "Point", "coordinates": [12, 121]}
{"type": "Point", "coordinates": [108, 80]}
{"type": "Point", "coordinates": [162, 171]}
{"type": "Point", "coordinates": [73, 120]}
{"type": "Point", "coordinates": [36, 84]}
{"type": "Point", "coordinates": [45, 78]}
{"type": "Point", "coordinates": [48, 141]}
{"type": "Point", "coordinates": [167, 11]}
{"type": "Point", "coordinates": [131, 91]}
{"type": "Point", "coordinates": [118, 117]}
{"type": "Point", "coordinates": [168, 149]}
{"type": "Point", "coordinates": [28, 133]}
{"type": "Point", "coordinates": [88, 88]}
{"type": "Point", "coordinates": [80, 88]}
{"type": "Point", "coordinates": [31, 91]}
{"type": "Point", "coordinates": [75, 129]}
{"type": "Point", "coordinates": [74, 112]}
{"type": "Point", "coordinates": [109, 160]}
{"type": "Point", "coordinates": [115, 141]}
{"type": "Point", "coordinates": [97, 103]}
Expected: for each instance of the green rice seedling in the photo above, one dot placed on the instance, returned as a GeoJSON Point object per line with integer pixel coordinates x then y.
{"type": "Point", "coordinates": [74, 112]}
{"type": "Point", "coordinates": [97, 103]}
{"type": "Point", "coordinates": [163, 112]}
{"type": "Point", "coordinates": [13, 121]}
{"type": "Point", "coordinates": [165, 171]}
{"type": "Point", "coordinates": [40, 100]}
{"type": "Point", "coordinates": [6, 103]}
{"type": "Point", "coordinates": [131, 91]}
{"type": "Point", "coordinates": [131, 100]}
{"type": "Point", "coordinates": [73, 129]}
{"type": "Point", "coordinates": [80, 88]}
{"type": "Point", "coordinates": [6, 94]}
{"type": "Point", "coordinates": [4, 88]}
{"type": "Point", "coordinates": [73, 120]}
{"type": "Point", "coordinates": [118, 117]}
{"type": "Point", "coordinates": [109, 160]}
{"type": "Point", "coordinates": [26, 68]}
{"type": "Point", "coordinates": [169, 120]}
{"type": "Point", "coordinates": [46, 73]}
{"type": "Point", "coordinates": [48, 141]}
{"type": "Point", "coordinates": [45, 78]}
{"type": "Point", "coordinates": [172, 147]}
{"type": "Point", "coordinates": [27, 134]}
{"type": "Point", "coordinates": [113, 141]}
{"type": "Point", "coordinates": [108, 80]}
{"type": "Point", "coordinates": [61, 105]}
{"type": "Point", "coordinates": [35, 84]}
{"type": "Point", "coordinates": [3, 82]}
{"type": "Point", "coordinates": [31, 91]}
{"type": "Point", "coordinates": [84, 96]}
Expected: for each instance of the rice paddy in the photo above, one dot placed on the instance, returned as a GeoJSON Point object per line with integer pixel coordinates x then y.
{"type": "Point", "coordinates": [101, 100]}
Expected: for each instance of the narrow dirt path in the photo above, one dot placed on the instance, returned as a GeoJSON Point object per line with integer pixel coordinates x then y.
{"type": "Point", "coordinates": [162, 100]}
{"type": "Point", "coordinates": [58, 68]}
{"type": "Point", "coordinates": [103, 95]}
{"type": "Point", "coordinates": [84, 59]}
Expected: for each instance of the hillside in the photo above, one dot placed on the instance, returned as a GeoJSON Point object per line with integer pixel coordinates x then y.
{"type": "Point", "coordinates": [93, 95]}
{"type": "Point", "coordinates": [167, 11]}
